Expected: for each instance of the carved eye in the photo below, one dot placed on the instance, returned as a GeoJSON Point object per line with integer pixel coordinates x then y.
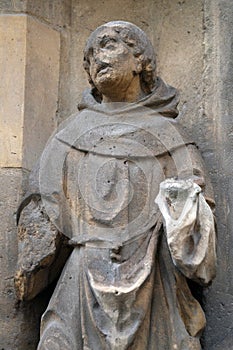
{"type": "Point", "coordinates": [108, 43]}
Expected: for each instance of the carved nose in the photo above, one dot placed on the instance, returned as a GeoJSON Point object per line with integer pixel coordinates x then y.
{"type": "Point", "coordinates": [100, 57]}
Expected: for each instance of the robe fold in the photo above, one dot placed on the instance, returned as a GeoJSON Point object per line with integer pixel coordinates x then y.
{"type": "Point", "coordinates": [125, 284]}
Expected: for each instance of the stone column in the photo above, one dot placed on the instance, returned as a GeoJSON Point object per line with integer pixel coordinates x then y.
{"type": "Point", "coordinates": [29, 75]}
{"type": "Point", "coordinates": [218, 153]}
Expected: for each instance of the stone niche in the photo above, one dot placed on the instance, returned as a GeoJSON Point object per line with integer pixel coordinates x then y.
{"type": "Point", "coordinates": [42, 82]}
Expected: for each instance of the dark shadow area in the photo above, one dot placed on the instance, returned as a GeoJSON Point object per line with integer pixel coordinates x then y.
{"type": "Point", "coordinates": [32, 311]}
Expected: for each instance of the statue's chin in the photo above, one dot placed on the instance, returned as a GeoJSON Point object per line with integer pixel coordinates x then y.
{"type": "Point", "coordinates": [108, 82]}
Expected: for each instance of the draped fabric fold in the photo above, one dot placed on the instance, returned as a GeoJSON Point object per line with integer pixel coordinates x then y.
{"type": "Point", "coordinates": [125, 283]}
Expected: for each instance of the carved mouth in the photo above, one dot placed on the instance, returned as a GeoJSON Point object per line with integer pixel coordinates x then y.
{"type": "Point", "coordinates": [103, 68]}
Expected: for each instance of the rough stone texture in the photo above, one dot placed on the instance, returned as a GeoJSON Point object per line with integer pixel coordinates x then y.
{"type": "Point", "coordinates": [201, 72]}
{"type": "Point", "coordinates": [55, 13]}
{"type": "Point", "coordinates": [218, 107]}
{"type": "Point", "coordinates": [13, 6]}
{"type": "Point", "coordinates": [30, 61]}
{"type": "Point", "coordinates": [19, 323]}
{"type": "Point", "coordinates": [42, 251]}
{"type": "Point", "coordinates": [11, 189]}
{"type": "Point", "coordinates": [179, 31]}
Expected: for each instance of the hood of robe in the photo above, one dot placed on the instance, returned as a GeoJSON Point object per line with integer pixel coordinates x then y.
{"type": "Point", "coordinates": [162, 100]}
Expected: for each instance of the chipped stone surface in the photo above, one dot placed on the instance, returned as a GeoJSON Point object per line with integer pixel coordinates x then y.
{"type": "Point", "coordinates": [196, 31]}
{"type": "Point", "coordinates": [40, 266]}
{"type": "Point", "coordinates": [15, 319]}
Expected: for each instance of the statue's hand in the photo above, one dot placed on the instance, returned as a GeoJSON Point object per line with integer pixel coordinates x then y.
{"type": "Point", "coordinates": [174, 194]}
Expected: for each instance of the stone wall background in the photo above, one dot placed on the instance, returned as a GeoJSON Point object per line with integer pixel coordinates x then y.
{"type": "Point", "coordinates": [193, 41]}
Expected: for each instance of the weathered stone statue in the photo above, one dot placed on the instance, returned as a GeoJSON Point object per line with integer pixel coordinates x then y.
{"type": "Point", "coordinates": [121, 186]}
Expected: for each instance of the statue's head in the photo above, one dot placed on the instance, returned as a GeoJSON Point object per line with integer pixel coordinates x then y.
{"type": "Point", "coordinates": [117, 48]}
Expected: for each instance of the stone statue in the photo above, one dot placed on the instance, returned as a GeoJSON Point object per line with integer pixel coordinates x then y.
{"type": "Point", "coordinates": [120, 197]}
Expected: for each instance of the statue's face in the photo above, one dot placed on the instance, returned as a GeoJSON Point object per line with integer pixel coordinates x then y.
{"type": "Point", "coordinates": [112, 63]}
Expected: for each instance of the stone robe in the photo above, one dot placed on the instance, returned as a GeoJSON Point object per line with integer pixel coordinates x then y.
{"type": "Point", "coordinates": [124, 286]}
